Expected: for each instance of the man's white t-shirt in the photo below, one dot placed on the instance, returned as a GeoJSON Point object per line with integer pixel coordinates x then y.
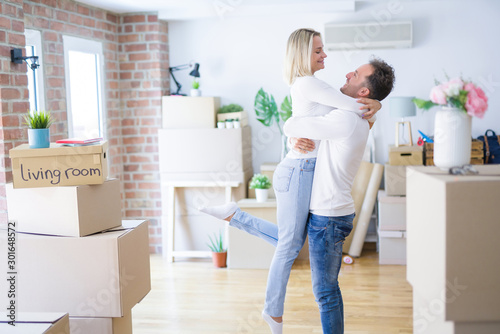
{"type": "Point", "coordinates": [343, 135]}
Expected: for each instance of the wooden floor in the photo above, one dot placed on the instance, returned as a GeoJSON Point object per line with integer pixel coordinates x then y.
{"type": "Point", "coordinates": [194, 297]}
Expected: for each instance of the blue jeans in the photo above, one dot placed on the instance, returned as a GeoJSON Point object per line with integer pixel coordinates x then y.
{"type": "Point", "coordinates": [292, 183]}
{"type": "Point", "coordinates": [326, 238]}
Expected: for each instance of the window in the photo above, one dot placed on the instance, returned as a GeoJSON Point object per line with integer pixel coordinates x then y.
{"type": "Point", "coordinates": [35, 78]}
{"type": "Point", "coordinates": [83, 62]}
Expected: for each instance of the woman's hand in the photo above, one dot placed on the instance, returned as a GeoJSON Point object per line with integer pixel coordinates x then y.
{"type": "Point", "coordinates": [371, 106]}
{"type": "Point", "coordinates": [302, 145]}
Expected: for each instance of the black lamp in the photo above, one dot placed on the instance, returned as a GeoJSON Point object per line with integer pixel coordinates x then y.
{"type": "Point", "coordinates": [16, 56]}
{"type": "Point", "coordinates": [194, 73]}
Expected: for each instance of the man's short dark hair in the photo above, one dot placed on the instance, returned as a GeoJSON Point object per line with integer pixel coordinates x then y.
{"type": "Point", "coordinates": [381, 82]}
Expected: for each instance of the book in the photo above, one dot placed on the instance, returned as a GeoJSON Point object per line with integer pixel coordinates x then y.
{"type": "Point", "coordinates": [78, 141]}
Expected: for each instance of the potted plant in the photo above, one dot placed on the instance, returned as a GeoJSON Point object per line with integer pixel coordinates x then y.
{"type": "Point", "coordinates": [219, 253]}
{"type": "Point", "coordinates": [38, 123]}
{"type": "Point", "coordinates": [261, 184]}
{"type": "Point", "coordinates": [267, 113]}
{"type": "Point", "coordinates": [195, 91]}
{"type": "Point", "coordinates": [232, 111]}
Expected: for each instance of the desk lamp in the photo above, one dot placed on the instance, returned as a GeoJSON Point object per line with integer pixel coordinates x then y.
{"type": "Point", "coordinates": [194, 73]}
{"type": "Point", "coordinates": [401, 107]}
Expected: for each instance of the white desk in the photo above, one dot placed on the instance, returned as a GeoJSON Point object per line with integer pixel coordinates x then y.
{"type": "Point", "coordinates": [168, 233]}
{"type": "Point", "coordinates": [453, 227]}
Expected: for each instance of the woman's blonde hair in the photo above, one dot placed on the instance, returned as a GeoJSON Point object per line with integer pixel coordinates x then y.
{"type": "Point", "coordinates": [298, 54]}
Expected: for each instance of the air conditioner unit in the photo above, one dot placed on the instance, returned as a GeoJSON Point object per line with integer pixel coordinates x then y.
{"type": "Point", "coordinates": [371, 35]}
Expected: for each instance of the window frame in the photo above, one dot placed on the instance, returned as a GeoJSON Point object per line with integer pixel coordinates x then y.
{"type": "Point", "coordinates": [71, 43]}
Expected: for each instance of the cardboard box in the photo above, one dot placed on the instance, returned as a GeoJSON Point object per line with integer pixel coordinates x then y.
{"type": "Point", "coordinates": [59, 165]}
{"type": "Point", "coordinates": [205, 150]}
{"type": "Point", "coordinates": [67, 211]}
{"type": "Point", "coordinates": [405, 155]}
{"type": "Point", "coordinates": [392, 247]}
{"type": "Point", "coordinates": [102, 275]}
{"type": "Point", "coordinates": [453, 228]}
{"type": "Point", "coordinates": [391, 212]}
{"type": "Point", "coordinates": [186, 112]}
{"type": "Point", "coordinates": [84, 325]}
{"type": "Point", "coordinates": [37, 323]}
{"type": "Point", "coordinates": [241, 115]}
{"type": "Point", "coordinates": [395, 180]}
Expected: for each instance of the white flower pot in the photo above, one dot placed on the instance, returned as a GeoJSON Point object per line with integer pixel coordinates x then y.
{"type": "Point", "coordinates": [195, 92]}
{"type": "Point", "coordinates": [229, 125]}
{"type": "Point", "coordinates": [452, 138]}
{"type": "Point", "coordinates": [261, 195]}
{"type": "Point", "coordinates": [221, 125]}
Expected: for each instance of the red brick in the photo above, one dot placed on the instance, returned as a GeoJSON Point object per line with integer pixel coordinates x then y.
{"type": "Point", "coordinates": [133, 140]}
{"type": "Point", "coordinates": [10, 134]}
{"type": "Point", "coordinates": [134, 18]}
{"type": "Point", "coordinates": [20, 107]}
{"type": "Point", "coordinates": [130, 131]}
{"type": "Point", "coordinates": [111, 17]}
{"type": "Point", "coordinates": [152, 18]}
{"type": "Point", "coordinates": [21, 80]}
{"type": "Point", "coordinates": [135, 47]}
{"type": "Point", "coordinates": [10, 93]}
{"type": "Point", "coordinates": [137, 103]}
{"type": "Point", "coordinates": [50, 36]}
{"type": "Point", "coordinates": [4, 79]}
{"type": "Point", "coordinates": [139, 56]}
{"type": "Point", "coordinates": [83, 10]}
{"type": "Point", "coordinates": [43, 11]}
{"type": "Point", "coordinates": [62, 16]}
{"type": "Point", "coordinates": [9, 10]}
{"type": "Point", "coordinates": [138, 158]}
{"type": "Point", "coordinates": [128, 38]}
{"type": "Point", "coordinates": [125, 75]}
{"type": "Point", "coordinates": [18, 26]}
{"type": "Point", "coordinates": [10, 121]}
{"type": "Point", "coordinates": [4, 23]}
{"type": "Point", "coordinates": [17, 39]}
{"type": "Point", "coordinates": [89, 22]}
{"type": "Point", "coordinates": [55, 82]}
{"type": "Point", "coordinates": [39, 22]}
{"type": "Point", "coordinates": [128, 28]}
{"type": "Point", "coordinates": [76, 19]}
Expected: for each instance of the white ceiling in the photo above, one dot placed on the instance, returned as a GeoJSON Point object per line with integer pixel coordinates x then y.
{"type": "Point", "coordinates": [172, 10]}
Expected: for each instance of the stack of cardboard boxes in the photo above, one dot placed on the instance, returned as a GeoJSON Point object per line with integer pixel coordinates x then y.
{"type": "Point", "coordinates": [392, 204]}
{"type": "Point", "coordinates": [198, 164]}
{"type": "Point", "coordinates": [74, 253]}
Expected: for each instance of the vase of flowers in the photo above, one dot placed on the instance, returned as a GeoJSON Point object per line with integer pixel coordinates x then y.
{"type": "Point", "coordinates": [458, 100]}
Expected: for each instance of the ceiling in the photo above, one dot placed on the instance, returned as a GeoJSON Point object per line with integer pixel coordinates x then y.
{"type": "Point", "coordinates": [177, 10]}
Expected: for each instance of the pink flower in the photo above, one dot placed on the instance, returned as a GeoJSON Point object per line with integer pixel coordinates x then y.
{"type": "Point", "coordinates": [437, 95]}
{"type": "Point", "coordinates": [477, 102]}
{"type": "Point", "coordinates": [453, 87]}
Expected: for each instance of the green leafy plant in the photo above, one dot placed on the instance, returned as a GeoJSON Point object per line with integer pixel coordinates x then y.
{"type": "Point", "coordinates": [195, 84]}
{"type": "Point", "coordinates": [260, 181]}
{"type": "Point", "coordinates": [38, 119]}
{"type": "Point", "coordinates": [230, 108]}
{"type": "Point", "coordinates": [267, 110]}
{"type": "Point", "coordinates": [216, 244]}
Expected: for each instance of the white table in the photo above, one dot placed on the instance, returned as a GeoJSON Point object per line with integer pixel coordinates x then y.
{"type": "Point", "coordinates": [168, 233]}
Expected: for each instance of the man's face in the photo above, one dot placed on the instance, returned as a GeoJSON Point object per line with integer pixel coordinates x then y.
{"type": "Point", "coordinates": [355, 84]}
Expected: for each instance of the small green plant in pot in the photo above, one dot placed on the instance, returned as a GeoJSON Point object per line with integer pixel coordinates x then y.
{"type": "Point", "coordinates": [219, 253]}
{"type": "Point", "coordinates": [261, 184]}
{"type": "Point", "coordinates": [38, 123]}
{"type": "Point", "coordinates": [195, 91]}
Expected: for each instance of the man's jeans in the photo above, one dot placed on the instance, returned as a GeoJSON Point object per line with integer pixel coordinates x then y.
{"type": "Point", "coordinates": [326, 238]}
{"type": "Point", "coordinates": [292, 183]}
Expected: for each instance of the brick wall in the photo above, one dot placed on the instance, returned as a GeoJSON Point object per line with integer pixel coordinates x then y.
{"type": "Point", "coordinates": [136, 75]}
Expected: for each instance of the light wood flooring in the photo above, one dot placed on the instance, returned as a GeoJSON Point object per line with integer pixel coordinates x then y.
{"type": "Point", "coordinates": [194, 297]}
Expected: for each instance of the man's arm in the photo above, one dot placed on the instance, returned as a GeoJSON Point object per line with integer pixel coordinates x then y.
{"type": "Point", "coordinates": [330, 126]}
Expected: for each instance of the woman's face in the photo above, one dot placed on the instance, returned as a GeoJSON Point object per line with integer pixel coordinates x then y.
{"type": "Point", "coordinates": [318, 55]}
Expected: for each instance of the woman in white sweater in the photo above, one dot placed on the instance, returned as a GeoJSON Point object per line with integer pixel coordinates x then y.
{"type": "Point", "coordinates": [293, 177]}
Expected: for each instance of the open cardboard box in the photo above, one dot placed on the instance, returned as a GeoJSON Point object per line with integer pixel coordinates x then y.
{"type": "Point", "coordinates": [102, 275]}
{"type": "Point", "coordinates": [59, 165]}
{"type": "Point", "coordinates": [84, 325]}
{"type": "Point", "coordinates": [37, 323]}
{"type": "Point", "coordinates": [67, 211]}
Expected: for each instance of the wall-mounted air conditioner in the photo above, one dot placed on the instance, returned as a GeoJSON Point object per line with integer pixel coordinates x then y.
{"type": "Point", "coordinates": [371, 35]}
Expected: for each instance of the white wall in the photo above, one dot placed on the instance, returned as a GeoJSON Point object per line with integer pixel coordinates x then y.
{"type": "Point", "coordinates": [238, 54]}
